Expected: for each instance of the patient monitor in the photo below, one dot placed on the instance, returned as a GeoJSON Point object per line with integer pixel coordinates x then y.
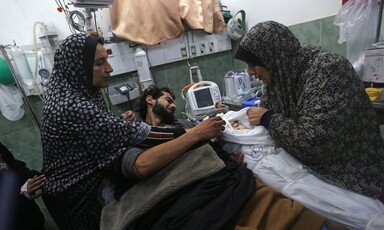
{"type": "Point", "coordinates": [203, 98]}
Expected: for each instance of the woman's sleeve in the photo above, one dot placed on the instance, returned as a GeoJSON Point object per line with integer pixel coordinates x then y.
{"type": "Point", "coordinates": [18, 166]}
{"type": "Point", "coordinates": [324, 111]}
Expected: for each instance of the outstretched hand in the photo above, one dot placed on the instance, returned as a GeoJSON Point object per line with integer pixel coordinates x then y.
{"type": "Point", "coordinates": [129, 116]}
{"type": "Point", "coordinates": [35, 184]}
{"type": "Point", "coordinates": [209, 128]}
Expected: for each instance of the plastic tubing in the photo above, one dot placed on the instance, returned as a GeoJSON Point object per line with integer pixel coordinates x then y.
{"type": "Point", "coordinates": [35, 45]}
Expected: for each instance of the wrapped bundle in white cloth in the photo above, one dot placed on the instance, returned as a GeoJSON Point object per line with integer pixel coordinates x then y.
{"type": "Point", "coordinates": [277, 168]}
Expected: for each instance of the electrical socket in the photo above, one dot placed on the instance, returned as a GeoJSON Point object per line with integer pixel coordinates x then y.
{"type": "Point", "coordinates": [211, 47]}
{"type": "Point", "coordinates": [202, 48]}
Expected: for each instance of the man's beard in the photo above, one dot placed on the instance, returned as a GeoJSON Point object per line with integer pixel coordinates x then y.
{"type": "Point", "coordinates": [165, 116]}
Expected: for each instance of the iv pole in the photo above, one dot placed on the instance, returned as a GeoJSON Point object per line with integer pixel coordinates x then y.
{"type": "Point", "coordinates": [5, 55]}
{"type": "Point", "coordinates": [379, 22]}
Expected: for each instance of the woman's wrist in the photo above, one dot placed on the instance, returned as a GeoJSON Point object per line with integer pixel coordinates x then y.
{"type": "Point", "coordinates": [264, 120]}
{"type": "Point", "coordinates": [24, 190]}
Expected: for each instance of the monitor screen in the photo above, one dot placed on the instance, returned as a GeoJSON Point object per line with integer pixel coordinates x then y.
{"type": "Point", "coordinates": [203, 98]}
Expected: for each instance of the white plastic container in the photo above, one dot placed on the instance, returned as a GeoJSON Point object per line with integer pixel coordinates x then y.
{"type": "Point", "coordinates": [22, 66]}
{"type": "Point", "coordinates": [229, 86]}
{"type": "Point", "coordinates": [241, 84]}
{"type": "Point", "coordinates": [11, 103]}
{"type": "Point", "coordinates": [143, 68]}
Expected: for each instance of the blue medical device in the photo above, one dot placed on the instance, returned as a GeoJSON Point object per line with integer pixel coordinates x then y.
{"type": "Point", "coordinates": [252, 101]}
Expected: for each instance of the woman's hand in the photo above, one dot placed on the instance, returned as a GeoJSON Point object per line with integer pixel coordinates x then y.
{"type": "Point", "coordinates": [35, 184]}
{"type": "Point", "coordinates": [255, 114]}
{"type": "Point", "coordinates": [129, 116]}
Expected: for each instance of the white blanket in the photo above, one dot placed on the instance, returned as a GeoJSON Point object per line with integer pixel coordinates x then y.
{"type": "Point", "coordinates": [278, 169]}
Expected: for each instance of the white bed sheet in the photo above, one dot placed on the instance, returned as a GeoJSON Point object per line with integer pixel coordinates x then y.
{"type": "Point", "coordinates": [277, 168]}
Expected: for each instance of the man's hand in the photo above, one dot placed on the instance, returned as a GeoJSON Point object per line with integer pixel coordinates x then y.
{"type": "Point", "coordinates": [35, 184]}
{"type": "Point", "coordinates": [129, 116]}
{"type": "Point", "coordinates": [255, 114]}
{"type": "Point", "coordinates": [209, 128]}
{"type": "Point", "coordinates": [238, 158]}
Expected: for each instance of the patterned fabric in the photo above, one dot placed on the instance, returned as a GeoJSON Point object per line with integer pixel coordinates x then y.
{"type": "Point", "coordinates": [80, 137]}
{"type": "Point", "coordinates": [323, 116]}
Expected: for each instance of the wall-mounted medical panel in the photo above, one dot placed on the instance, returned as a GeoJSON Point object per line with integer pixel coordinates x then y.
{"type": "Point", "coordinates": [191, 44]}
{"type": "Point", "coordinates": [201, 43]}
{"type": "Point", "coordinates": [121, 58]}
{"type": "Point", "coordinates": [168, 51]}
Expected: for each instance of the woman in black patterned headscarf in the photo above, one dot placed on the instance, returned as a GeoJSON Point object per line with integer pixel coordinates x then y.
{"type": "Point", "coordinates": [83, 141]}
{"type": "Point", "coordinates": [79, 136]}
{"type": "Point", "coordinates": [315, 107]}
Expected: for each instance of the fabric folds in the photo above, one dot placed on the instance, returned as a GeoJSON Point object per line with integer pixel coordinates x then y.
{"type": "Point", "coordinates": [211, 203]}
{"type": "Point", "coordinates": [152, 21]}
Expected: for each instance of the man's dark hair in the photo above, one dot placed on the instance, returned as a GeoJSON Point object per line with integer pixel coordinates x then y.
{"type": "Point", "coordinates": [155, 92]}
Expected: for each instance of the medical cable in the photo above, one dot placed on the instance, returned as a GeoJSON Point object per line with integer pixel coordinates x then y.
{"type": "Point", "coordinates": [128, 96]}
{"type": "Point", "coordinates": [124, 89]}
{"type": "Point", "coordinates": [72, 16]}
{"type": "Point", "coordinates": [76, 15]}
{"type": "Point", "coordinates": [58, 2]}
{"type": "Point", "coordinates": [129, 100]}
{"type": "Point", "coordinates": [149, 66]}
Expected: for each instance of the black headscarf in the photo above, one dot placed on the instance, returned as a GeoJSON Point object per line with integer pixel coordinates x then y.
{"type": "Point", "coordinates": [274, 47]}
{"type": "Point", "coordinates": [89, 56]}
{"type": "Point", "coordinates": [248, 57]}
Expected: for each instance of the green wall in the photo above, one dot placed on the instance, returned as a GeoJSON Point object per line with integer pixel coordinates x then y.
{"type": "Point", "coordinates": [23, 139]}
